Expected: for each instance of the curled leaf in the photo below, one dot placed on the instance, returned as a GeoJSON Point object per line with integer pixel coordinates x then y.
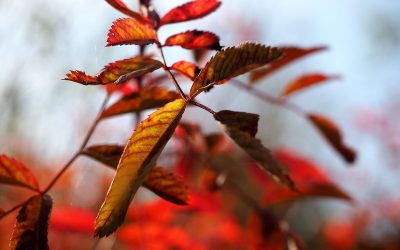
{"type": "Point", "coordinates": [194, 39]}
{"type": "Point", "coordinates": [138, 158]}
{"type": "Point", "coordinates": [121, 6]}
{"type": "Point", "coordinates": [333, 135]}
{"type": "Point", "coordinates": [124, 70]}
{"type": "Point", "coordinates": [145, 99]}
{"type": "Point", "coordinates": [306, 81]}
{"type": "Point", "coordinates": [186, 68]}
{"type": "Point", "coordinates": [13, 172]}
{"type": "Point", "coordinates": [81, 77]}
{"type": "Point", "coordinates": [30, 231]}
{"type": "Point", "coordinates": [189, 11]}
{"type": "Point", "coordinates": [231, 62]}
{"type": "Point", "coordinates": [130, 31]}
{"type": "Point", "coordinates": [289, 54]}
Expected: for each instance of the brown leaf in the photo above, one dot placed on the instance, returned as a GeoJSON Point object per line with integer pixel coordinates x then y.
{"type": "Point", "coordinates": [81, 77]}
{"type": "Point", "coordinates": [333, 135]}
{"type": "Point", "coordinates": [245, 122]}
{"type": "Point", "coordinates": [187, 69]}
{"type": "Point", "coordinates": [289, 54]}
{"type": "Point", "coordinates": [130, 31]}
{"type": "Point", "coordinates": [13, 172]}
{"type": "Point", "coordinates": [145, 99]}
{"type": "Point", "coordinates": [306, 81]}
{"type": "Point", "coordinates": [194, 39]}
{"type": "Point", "coordinates": [231, 62]}
{"type": "Point", "coordinates": [107, 154]}
{"type": "Point", "coordinates": [30, 231]}
{"type": "Point", "coordinates": [189, 11]}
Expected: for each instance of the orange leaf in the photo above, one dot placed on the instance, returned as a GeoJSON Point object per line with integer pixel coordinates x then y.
{"type": "Point", "coordinates": [333, 135]}
{"type": "Point", "coordinates": [189, 11]}
{"type": "Point", "coordinates": [310, 180]}
{"type": "Point", "coordinates": [138, 158]}
{"type": "Point", "coordinates": [130, 31]}
{"type": "Point", "coordinates": [72, 219]}
{"type": "Point", "coordinates": [306, 81]}
{"type": "Point", "coordinates": [14, 172]}
{"type": "Point", "coordinates": [107, 154]}
{"type": "Point", "coordinates": [167, 185]}
{"type": "Point", "coordinates": [145, 99]}
{"type": "Point", "coordinates": [289, 54]}
{"type": "Point", "coordinates": [231, 62]}
{"type": "Point", "coordinates": [121, 6]}
{"type": "Point", "coordinates": [194, 39]}
{"type": "Point", "coordinates": [30, 231]}
{"type": "Point", "coordinates": [81, 77]}
{"type": "Point", "coordinates": [186, 68]}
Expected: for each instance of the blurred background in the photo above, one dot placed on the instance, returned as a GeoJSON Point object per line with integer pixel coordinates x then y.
{"type": "Point", "coordinates": [43, 119]}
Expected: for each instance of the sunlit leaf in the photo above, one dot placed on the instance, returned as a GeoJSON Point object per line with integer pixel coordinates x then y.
{"type": "Point", "coordinates": [145, 99]}
{"type": "Point", "coordinates": [187, 69]}
{"type": "Point", "coordinates": [167, 185]}
{"type": "Point", "coordinates": [13, 172]}
{"type": "Point", "coordinates": [289, 54]}
{"type": "Point", "coordinates": [138, 158]}
{"type": "Point", "coordinates": [72, 219]}
{"type": "Point", "coordinates": [310, 179]}
{"type": "Point", "coordinates": [242, 132]}
{"type": "Point", "coordinates": [124, 70]}
{"type": "Point", "coordinates": [232, 62]}
{"type": "Point", "coordinates": [121, 6]}
{"type": "Point", "coordinates": [30, 231]}
{"type": "Point", "coordinates": [333, 135]}
{"type": "Point", "coordinates": [189, 11]}
{"type": "Point", "coordinates": [194, 39]}
{"type": "Point", "coordinates": [130, 31]}
{"type": "Point", "coordinates": [81, 77]}
{"type": "Point", "coordinates": [306, 81]}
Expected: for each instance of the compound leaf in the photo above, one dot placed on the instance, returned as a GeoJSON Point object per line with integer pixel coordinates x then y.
{"type": "Point", "coordinates": [13, 172]}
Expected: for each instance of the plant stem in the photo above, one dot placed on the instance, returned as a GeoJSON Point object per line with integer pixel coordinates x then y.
{"type": "Point", "coordinates": [5, 213]}
{"type": "Point", "coordinates": [202, 106]}
{"type": "Point", "coordinates": [83, 145]}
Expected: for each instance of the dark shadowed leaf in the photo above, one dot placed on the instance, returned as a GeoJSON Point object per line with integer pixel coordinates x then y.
{"type": "Point", "coordinates": [232, 62]}
{"type": "Point", "coordinates": [13, 172]}
{"type": "Point", "coordinates": [124, 70]}
{"type": "Point", "coordinates": [194, 39]}
{"type": "Point", "coordinates": [81, 77]}
{"type": "Point", "coordinates": [107, 154]}
{"type": "Point", "coordinates": [145, 99]}
{"type": "Point", "coordinates": [306, 81]}
{"type": "Point", "coordinates": [289, 54]}
{"type": "Point", "coordinates": [189, 11]}
{"type": "Point", "coordinates": [187, 69]}
{"type": "Point", "coordinates": [72, 220]}
{"type": "Point", "coordinates": [333, 135]}
{"type": "Point", "coordinates": [121, 6]}
{"type": "Point", "coordinates": [138, 158]}
{"type": "Point", "coordinates": [130, 31]}
{"type": "Point", "coordinates": [30, 231]}
{"type": "Point", "coordinates": [246, 122]}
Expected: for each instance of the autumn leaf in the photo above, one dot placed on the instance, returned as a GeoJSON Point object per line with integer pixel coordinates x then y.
{"type": "Point", "coordinates": [121, 6]}
{"type": "Point", "coordinates": [231, 62]}
{"type": "Point", "coordinates": [189, 11]}
{"type": "Point", "coordinates": [81, 77]}
{"type": "Point", "coordinates": [145, 99]}
{"type": "Point", "coordinates": [138, 158]}
{"type": "Point", "coordinates": [306, 81]}
{"type": "Point", "coordinates": [130, 31]}
{"type": "Point", "coordinates": [13, 172]}
{"type": "Point", "coordinates": [187, 69]}
{"type": "Point", "coordinates": [30, 231]}
{"type": "Point", "coordinates": [289, 54]}
{"type": "Point", "coordinates": [107, 154]}
{"type": "Point", "coordinates": [194, 39]}
{"type": "Point", "coordinates": [242, 127]}
{"type": "Point", "coordinates": [72, 219]}
{"type": "Point", "coordinates": [333, 135]}
{"type": "Point", "coordinates": [124, 70]}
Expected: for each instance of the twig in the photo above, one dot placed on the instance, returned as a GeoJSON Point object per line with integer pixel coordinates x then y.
{"type": "Point", "coordinates": [202, 106]}
{"type": "Point", "coordinates": [5, 213]}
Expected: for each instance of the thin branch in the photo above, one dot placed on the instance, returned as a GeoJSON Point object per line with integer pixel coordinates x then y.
{"type": "Point", "coordinates": [5, 213]}
{"type": "Point", "coordinates": [202, 107]}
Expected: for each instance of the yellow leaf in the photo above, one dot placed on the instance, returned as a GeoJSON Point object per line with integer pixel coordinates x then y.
{"type": "Point", "coordinates": [138, 158]}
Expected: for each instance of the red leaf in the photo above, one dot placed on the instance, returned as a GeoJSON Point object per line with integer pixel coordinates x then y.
{"type": "Point", "coordinates": [70, 219]}
{"type": "Point", "coordinates": [130, 31]}
{"type": "Point", "coordinates": [194, 39]}
{"type": "Point", "coordinates": [289, 54]}
{"type": "Point", "coordinates": [186, 68]}
{"type": "Point", "coordinates": [121, 6]}
{"type": "Point", "coordinates": [309, 178]}
{"type": "Point", "coordinates": [306, 81]}
{"type": "Point", "coordinates": [333, 135]}
{"type": "Point", "coordinates": [189, 11]}
{"type": "Point", "coordinates": [14, 172]}
{"type": "Point", "coordinates": [81, 77]}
